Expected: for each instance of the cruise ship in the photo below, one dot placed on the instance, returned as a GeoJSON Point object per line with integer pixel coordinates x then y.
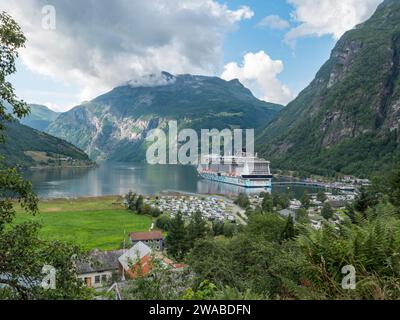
{"type": "Point", "coordinates": [243, 170]}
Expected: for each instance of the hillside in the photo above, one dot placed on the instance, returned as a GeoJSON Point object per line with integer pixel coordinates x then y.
{"type": "Point", "coordinates": [346, 121]}
{"type": "Point", "coordinates": [114, 125]}
{"type": "Point", "coordinates": [40, 117]}
{"type": "Point", "coordinates": [27, 147]}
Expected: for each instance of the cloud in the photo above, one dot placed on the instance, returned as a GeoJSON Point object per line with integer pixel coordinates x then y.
{"type": "Point", "coordinates": [259, 73]}
{"type": "Point", "coordinates": [53, 106]}
{"type": "Point", "coordinates": [274, 22]}
{"type": "Point", "coordinates": [328, 17]}
{"type": "Point", "coordinates": [57, 100]}
{"type": "Point", "coordinates": [99, 44]}
{"type": "Point", "coordinates": [153, 80]}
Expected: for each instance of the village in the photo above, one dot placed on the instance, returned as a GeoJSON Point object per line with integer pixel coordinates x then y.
{"type": "Point", "coordinates": [337, 202]}
{"type": "Point", "coordinates": [113, 268]}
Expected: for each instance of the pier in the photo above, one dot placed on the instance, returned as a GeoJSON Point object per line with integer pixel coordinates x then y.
{"type": "Point", "coordinates": [315, 184]}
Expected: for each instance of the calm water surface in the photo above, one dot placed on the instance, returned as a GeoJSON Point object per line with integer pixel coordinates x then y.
{"type": "Point", "coordinates": [119, 178]}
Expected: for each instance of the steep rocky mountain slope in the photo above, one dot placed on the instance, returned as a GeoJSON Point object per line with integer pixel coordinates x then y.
{"type": "Point", "coordinates": [347, 120]}
{"type": "Point", "coordinates": [114, 125]}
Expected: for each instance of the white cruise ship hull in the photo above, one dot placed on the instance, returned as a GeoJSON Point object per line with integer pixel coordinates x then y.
{"type": "Point", "coordinates": [237, 181]}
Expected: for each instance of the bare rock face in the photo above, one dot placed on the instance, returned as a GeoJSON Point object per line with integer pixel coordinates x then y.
{"type": "Point", "coordinates": [394, 119]}
{"type": "Point", "coordinates": [344, 61]}
{"type": "Point", "coordinates": [347, 119]}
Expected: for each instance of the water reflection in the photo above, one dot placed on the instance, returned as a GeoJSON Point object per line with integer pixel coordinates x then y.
{"type": "Point", "coordinates": [118, 178]}
{"type": "Point", "coordinates": [212, 187]}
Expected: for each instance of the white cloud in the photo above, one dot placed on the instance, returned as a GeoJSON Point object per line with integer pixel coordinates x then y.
{"type": "Point", "coordinates": [273, 22]}
{"type": "Point", "coordinates": [99, 44]}
{"type": "Point", "coordinates": [259, 73]}
{"type": "Point", "coordinates": [243, 12]}
{"type": "Point", "coordinates": [54, 107]}
{"type": "Point", "coordinates": [333, 17]}
{"type": "Point", "coordinates": [56, 100]}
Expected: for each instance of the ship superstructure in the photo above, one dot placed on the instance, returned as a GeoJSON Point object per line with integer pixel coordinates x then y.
{"type": "Point", "coordinates": [242, 169]}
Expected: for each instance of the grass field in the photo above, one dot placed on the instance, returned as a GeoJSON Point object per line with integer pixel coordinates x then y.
{"type": "Point", "coordinates": [89, 222]}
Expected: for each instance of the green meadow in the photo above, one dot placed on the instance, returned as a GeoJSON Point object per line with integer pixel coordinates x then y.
{"type": "Point", "coordinates": [89, 222]}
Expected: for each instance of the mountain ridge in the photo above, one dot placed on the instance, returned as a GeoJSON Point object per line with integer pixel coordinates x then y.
{"type": "Point", "coordinates": [39, 117]}
{"type": "Point", "coordinates": [113, 125]}
{"type": "Point", "coordinates": [346, 120]}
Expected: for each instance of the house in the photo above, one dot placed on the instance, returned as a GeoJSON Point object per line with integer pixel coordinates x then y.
{"type": "Point", "coordinates": [285, 213]}
{"type": "Point", "coordinates": [139, 261]}
{"type": "Point", "coordinates": [316, 224]}
{"type": "Point", "coordinates": [337, 204]}
{"type": "Point", "coordinates": [100, 268]}
{"type": "Point", "coordinates": [154, 239]}
{"type": "Point", "coordinates": [138, 255]}
{"type": "Point", "coordinates": [295, 204]}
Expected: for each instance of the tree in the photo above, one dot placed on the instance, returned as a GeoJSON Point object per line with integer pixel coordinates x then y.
{"type": "Point", "coordinates": [267, 226]}
{"type": "Point", "coordinates": [130, 201]}
{"type": "Point", "coordinates": [11, 40]}
{"type": "Point", "coordinates": [229, 229]}
{"type": "Point", "coordinates": [205, 291]}
{"type": "Point", "coordinates": [327, 211]}
{"type": "Point", "coordinates": [163, 222]}
{"type": "Point", "coordinates": [321, 196]}
{"type": "Point", "coordinates": [267, 203]}
{"type": "Point", "coordinates": [280, 201]}
{"type": "Point", "coordinates": [176, 240]}
{"type": "Point", "coordinates": [196, 229]}
{"type": "Point", "coordinates": [146, 210]}
{"type": "Point", "coordinates": [302, 215]}
{"type": "Point", "coordinates": [394, 189]}
{"type": "Point", "coordinates": [305, 200]}
{"type": "Point", "coordinates": [243, 201]}
{"type": "Point", "coordinates": [217, 228]}
{"type": "Point", "coordinates": [289, 232]}
{"type": "Point", "coordinates": [366, 198]}
{"type": "Point", "coordinates": [139, 204]}
{"type": "Point", "coordinates": [155, 212]}
{"type": "Point", "coordinates": [23, 254]}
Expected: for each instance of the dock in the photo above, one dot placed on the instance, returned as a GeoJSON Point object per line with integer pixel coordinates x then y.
{"type": "Point", "coordinates": [316, 184]}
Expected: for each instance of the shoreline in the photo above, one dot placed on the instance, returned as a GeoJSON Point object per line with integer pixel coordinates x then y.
{"type": "Point", "coordinates": [61, 167]}
{"type": "Point", "coordinates": [161, 193]}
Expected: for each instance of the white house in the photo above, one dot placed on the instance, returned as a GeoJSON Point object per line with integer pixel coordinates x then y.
{"type": "Point", "coordinates": [100, 268]}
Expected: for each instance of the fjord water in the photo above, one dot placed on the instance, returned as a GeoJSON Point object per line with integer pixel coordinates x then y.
{"type": "Point", "coordinates": [119, 178]}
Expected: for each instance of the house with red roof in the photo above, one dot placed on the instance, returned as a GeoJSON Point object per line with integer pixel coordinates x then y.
{"type": "Point", "coordinates": [139, 261]}
{"type": "Point", "coordinates": [153, 239]}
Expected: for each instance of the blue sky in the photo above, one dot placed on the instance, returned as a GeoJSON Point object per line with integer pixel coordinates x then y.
{"type": "Point", "coordinates": [300, 63]}
{"type": "Point", "coordinates": [77, 61]}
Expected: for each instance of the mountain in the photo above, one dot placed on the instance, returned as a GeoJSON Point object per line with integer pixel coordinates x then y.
{"type": "Point", "coordinates": [113, 126]}
{"type": "Point", "coordinates": [40, 117]}
{"type": "Point", "coordinates": [28, 147]}
{"type": "Point", "coordinates": [347, 120]}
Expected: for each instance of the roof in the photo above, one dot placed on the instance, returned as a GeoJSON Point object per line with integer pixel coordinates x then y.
{"type": "Point", "coordinates": [144, 236]}
{"type": "Point", "coordinates": [337, 203]}
{"type": "Point", "coordinates": [137, 252]}
{"type": "Point", "coordinates": [286, 213]}
{"type": "Point", "coordinates": [100, 261]}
